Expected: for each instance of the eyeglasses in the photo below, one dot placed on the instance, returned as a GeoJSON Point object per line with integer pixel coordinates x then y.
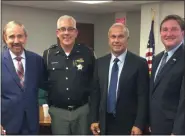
{"type": "Point", "coordinates": [69, 29]}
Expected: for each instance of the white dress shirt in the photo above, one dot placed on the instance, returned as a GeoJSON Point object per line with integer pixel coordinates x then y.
{"type": "Point", "coordinates": [120, 66]}
{"type": "Point", "coordinates": [13, 56]}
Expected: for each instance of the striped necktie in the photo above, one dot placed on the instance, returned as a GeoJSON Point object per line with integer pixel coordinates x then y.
{"type": "Point", "coordinates": [20, 70]}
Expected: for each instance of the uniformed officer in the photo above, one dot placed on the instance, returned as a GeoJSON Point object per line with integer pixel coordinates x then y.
{"type": "Point", "coordinates": [70, 71]}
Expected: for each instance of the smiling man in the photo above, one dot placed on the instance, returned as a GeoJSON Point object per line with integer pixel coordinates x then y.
{"type": "Point", "coordinates": [166, 80]}
{"type": "Point", "coordinates": [22, 73]}
{"type": "Point", "coordinates": [70, 69]}
{"type": "Point", "coordinates": [120, 88]}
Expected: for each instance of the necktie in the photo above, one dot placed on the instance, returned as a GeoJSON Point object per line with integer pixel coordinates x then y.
{"type": "Point", "coordinates": [20, 70]}
{"type": "Point", "coordinates": [111, 102]}
{"type": "Point", "coordinates": [163, 62]}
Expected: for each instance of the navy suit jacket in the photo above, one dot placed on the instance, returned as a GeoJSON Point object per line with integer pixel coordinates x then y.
{"type": "Point", "coordinates": [167, 96]}
{"type": "Point", "coordinates": [16, 102]}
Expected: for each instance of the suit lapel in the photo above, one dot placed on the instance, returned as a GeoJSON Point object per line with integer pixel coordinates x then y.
{"type": "Point", "coordinates": [106, 65]}
{"type": "Point", "coordinates": [156, 61]}
{"type": "Point", "coordinates": [124, 72]}
{"type": "Point", "coordinates": [174, 59]}
{"type": "Point", "coordinates": [28, 70]}
{"type": "Point", "coordinates": [10, 66]}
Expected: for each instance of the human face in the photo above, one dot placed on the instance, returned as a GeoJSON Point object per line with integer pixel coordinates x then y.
{"type": "Point", "coordinates": [171, 34]}
{"type": "Point", "coordinates": [118, 40]}
{"type": "Point", "coordinates": [67, 33]}
{"type": "Point", "coordinates": [15, 39]}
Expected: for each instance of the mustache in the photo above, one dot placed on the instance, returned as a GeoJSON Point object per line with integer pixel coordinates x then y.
{"type": "Point", "coordinates": [17, 44]}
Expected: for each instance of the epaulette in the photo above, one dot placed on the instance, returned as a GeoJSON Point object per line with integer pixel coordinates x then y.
{"type": "Point", "coordinates": [53, 46]}
{"type": "Point", "coordinates": [89, 49]}
{"type": "Point", "coordinates": [83, 45]}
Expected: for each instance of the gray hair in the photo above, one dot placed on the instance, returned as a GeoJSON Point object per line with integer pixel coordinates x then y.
{"type": "Point", "coordinates": [13, 23]}
{"type": "Point", "coordinates": [125, 29]}
{"type": "Point", "coordinates": [67, 18]}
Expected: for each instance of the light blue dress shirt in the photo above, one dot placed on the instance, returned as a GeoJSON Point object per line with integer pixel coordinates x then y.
{"type": "Point", "coordinates": [170, 54]}
{"type": "Point", "coordinates": [120, 65]}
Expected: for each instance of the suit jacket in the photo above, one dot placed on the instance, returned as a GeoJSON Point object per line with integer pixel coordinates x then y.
{"type": "Point", "coordinates": [17, 102]}
{"type": "Point", "coordinates": [165, 97]}
{"type": "Point", "coordinates": [132, 100]}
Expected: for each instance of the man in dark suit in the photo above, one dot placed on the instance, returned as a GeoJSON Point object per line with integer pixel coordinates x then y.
{"type": "Point", "coordinates": [21, 77]}
{"type": "Point", "coordinates": [120, 89]}
{"type": "Point", "coordinates": [166, 110]}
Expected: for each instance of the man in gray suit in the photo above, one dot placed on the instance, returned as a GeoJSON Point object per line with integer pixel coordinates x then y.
{"type": "Point", "coordinates": [166, 100]}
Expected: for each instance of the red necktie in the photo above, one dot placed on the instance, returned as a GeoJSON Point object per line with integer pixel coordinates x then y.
{"type": "Point", "coordinates": [20, 70]}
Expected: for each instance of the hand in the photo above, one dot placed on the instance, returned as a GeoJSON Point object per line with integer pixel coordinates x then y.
{"type": "Point", "coordinates": [3, 132]}
{"type": "Point", "coordinates": [149, 129]}
{"type": "Point", "coordinates": [136, 131]}
{"type": "Point", "coordinates": [95, 129]}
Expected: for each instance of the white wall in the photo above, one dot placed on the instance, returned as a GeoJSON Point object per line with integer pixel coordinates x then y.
{"type": "Point", "coordinates": [120, 15]}
{"type": "Point", "coordinates": [40, 24]}
{"type": "Point", "coordinates": [102, 25]}
{"type": "Point", "coordinates": [133, 23]}
{"type": "Point", "coordinates": [162, 9]}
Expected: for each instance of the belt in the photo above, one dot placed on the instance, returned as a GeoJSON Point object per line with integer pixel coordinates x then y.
{"type": "Point", "coordinates": [70, 107]}
{"type": "Point", "coordinates": [111, 115]}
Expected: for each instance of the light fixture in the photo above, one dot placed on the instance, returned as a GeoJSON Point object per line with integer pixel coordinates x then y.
{"type": "Point", "coordinates": [93, 2]}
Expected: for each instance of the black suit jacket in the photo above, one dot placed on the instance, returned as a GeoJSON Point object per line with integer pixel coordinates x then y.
{"type": "Point", "coordinates": [165, 95]}
{"type": "Point", "coordinates": [131, 107]}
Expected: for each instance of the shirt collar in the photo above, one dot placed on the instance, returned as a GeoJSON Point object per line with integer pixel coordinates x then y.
{"type": "Point", "coordinates": [171, 52]}
{"type": "Point", "coordinates": [120, 57]}
{"type": "Point", "coordinates": [13, 56]}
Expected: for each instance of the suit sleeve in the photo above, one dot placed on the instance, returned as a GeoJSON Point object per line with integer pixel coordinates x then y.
{"type": "Point", "coordinates": [45, 85]}
{"type": "Point", "coordinates": [42, 73]}
{"type": "Point", "coordinates": [142, 95]}
{"type": "Point", "coordinates": [95, 96]}
{"type": "Point", "coordinates": [179, 123]}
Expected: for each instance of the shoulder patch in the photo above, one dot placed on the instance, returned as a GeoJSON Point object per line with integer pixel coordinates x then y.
{"type": "Point", "coordinates": [53, 46]}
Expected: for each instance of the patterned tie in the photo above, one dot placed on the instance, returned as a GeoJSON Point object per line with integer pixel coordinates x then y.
{"type": "Point", "coordinates": [163, 62]}
{"type": "Point", "coordinates": [20, 70]}
{"type": "Point", "coordinates": [111, 102]}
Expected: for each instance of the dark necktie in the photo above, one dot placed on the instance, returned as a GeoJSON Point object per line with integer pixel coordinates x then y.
{"type": "Point", "coordinates": [111, 102]}
{"type": "Point", "coordinates": [20, 70]}
{"type": "Point", "coordinates": [163, 62]}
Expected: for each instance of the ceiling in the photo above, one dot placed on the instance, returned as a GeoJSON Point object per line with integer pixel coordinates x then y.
{"type": "Point", "coordinates": [110, 7]}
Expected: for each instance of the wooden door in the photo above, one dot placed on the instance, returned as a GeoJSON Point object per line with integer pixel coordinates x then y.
{"type": "Point", "coordinates": [85, 34]}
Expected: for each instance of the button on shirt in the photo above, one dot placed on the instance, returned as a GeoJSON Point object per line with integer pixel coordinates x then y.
{"type": "Point", "coordinates": [13, 56]}
{"type": "Point", "coordinates": [170, 54]}
{"type": "Point", "coordinates": [120, 65]}
{"type": "Point", "coordinates": [70, 79]}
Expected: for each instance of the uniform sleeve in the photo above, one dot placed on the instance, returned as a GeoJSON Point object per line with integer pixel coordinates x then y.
{"type": "Point", "coordinates": [45, 85]}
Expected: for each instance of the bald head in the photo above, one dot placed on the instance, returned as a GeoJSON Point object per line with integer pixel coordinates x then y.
{"type": "Point", "coordinates": [118, 38]}
{"type": "Point", "coordinates": [121, 26]}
